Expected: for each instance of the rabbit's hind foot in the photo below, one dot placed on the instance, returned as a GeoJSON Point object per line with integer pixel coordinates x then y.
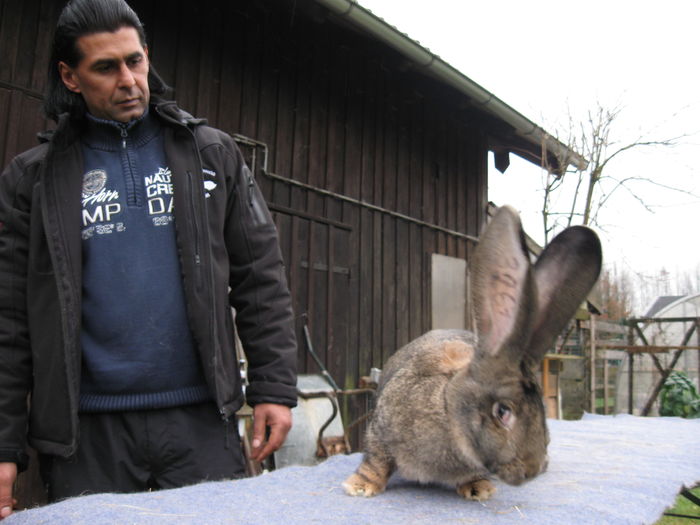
{"type": "Point", "coordinates": [478, 490]}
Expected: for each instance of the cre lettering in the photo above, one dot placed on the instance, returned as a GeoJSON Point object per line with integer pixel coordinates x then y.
{"type": "Point", "coordinates": [159, 188]}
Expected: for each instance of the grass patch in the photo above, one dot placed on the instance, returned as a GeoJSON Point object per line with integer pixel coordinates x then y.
{"type": "Point", "coordinates": [682, 506]}
{"type": "Point", "coordinates": [600, 403]}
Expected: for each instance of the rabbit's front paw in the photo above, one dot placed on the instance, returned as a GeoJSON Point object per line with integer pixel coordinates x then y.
{"type": "Point", "coordinates": [357, 485]}
{"type": "Point", "coordinates": [369, 479]}
{"type": "Point", "coordinates": [479, 490]}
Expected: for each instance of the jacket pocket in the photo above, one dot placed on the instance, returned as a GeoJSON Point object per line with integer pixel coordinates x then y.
{"type": "Point", "coordinates": [256, 203]}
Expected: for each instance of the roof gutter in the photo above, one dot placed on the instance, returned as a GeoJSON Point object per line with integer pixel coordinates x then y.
{"type": "Point", "coordinates": [424, 59]}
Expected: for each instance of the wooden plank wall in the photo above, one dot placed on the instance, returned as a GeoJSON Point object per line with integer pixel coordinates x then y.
{"type": "Point", "coordinates": [338, 112]}
{"type": "Point", "coordinates": [25, 30]}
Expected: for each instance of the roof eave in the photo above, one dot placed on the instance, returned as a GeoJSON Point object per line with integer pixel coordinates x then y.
{"type": "Point", "coordinates": [431, 63]}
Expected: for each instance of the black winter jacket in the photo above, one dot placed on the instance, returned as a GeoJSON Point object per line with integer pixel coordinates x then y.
{"type": "Point", "coordinates": [229, 255]}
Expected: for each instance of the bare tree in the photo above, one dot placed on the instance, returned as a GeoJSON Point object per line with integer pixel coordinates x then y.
{"type": "Point", "coordinates": [594, 186]}
{"type": "Point", "coordinates": [688, 282]}
{"type": "Point", "coordinates": [617, 293]}
{"type": "Point", "coordinates": [665, 283]}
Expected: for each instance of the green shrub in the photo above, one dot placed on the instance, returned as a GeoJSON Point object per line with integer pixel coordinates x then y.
{"type": "Point", "coordinates": [679, 397]}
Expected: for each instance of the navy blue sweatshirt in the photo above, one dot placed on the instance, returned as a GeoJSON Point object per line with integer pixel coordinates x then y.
{"type": "Point", "coordinates": [138, 351]}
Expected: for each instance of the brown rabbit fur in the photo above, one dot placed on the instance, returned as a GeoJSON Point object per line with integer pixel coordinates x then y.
{"type": "Point", "coordinates": [456, 408]}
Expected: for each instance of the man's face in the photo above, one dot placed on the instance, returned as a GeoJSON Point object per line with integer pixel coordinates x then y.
{"type": "Point", "coordinates": [112, 75]}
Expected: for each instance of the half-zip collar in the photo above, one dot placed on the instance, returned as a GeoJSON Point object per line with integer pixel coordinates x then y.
{"type": "Point", "coordinates": [125, 140]}
{"type": "Point", "coordinates": [110, 135]}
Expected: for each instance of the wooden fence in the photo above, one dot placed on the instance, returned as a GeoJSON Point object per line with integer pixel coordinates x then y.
{"type": "Point", "coordinates": [608, 345]}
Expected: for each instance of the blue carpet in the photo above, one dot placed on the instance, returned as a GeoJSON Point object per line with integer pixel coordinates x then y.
{"type": "Point", "coordinates": [602, 469]}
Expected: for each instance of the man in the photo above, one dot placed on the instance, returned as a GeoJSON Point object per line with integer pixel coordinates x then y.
{"type": "Point", "coordinates": [125, 239]}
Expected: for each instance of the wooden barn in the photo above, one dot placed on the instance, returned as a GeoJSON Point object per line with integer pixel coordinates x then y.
{"type": "Point", "coordinates": [371, 151]}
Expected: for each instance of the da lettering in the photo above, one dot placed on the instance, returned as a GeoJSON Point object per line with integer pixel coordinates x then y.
{"type": "Point", "coordinates": [160, 205]}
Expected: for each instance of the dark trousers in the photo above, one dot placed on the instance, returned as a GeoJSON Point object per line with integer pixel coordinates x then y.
{"type": "Point", "coordinates": [145, 450]}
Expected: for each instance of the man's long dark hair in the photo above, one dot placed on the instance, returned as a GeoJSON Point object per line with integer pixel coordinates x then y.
{"type": "Point", "coordinates": [80, 18]}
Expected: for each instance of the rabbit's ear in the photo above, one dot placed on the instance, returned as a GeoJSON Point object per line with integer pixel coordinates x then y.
{"type": "Point", "coordinates": [502, 284]}
{"type": "Point", "coordinates": [565, 273]}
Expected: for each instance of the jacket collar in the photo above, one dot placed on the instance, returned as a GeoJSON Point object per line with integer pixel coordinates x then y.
{"type": "Point", "coordinates": [169, 111]}
{"type": "Point", "coordinates": [68, 130]}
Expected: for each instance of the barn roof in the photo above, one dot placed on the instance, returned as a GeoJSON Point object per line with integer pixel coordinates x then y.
{"type": "Point", "coordinates": [526, 139]}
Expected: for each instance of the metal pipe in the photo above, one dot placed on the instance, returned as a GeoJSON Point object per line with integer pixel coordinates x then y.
{"type": "Point", "coordinates": [369, 206]}
{"type": "Point", "coordinates": [24, 90]}
{"type": "Point", "coordinates": [344, 198]}
{"type": "Point", "coordinates": [256, 144]}
{"type": "Point", "coordinates": [309, 346]}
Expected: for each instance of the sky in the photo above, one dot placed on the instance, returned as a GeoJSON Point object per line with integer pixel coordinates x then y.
{"type": "Point", "coordinates": [549, 59]}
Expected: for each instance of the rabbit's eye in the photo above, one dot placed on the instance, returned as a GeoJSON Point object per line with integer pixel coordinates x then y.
{"type": "Point", "coordinates": [503, 414]}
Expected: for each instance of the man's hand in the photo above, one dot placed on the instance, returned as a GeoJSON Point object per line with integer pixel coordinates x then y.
{"type": "Point", "coordinates": [279, 420]}
{"type": "Point", "coordinates": [8, 475]}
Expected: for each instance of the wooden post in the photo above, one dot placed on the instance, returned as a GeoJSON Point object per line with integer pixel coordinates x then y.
{"type": "Point", "coordinates": [630, 383]}
{"type": "Point", "coordinates": [593, 351]}
{"type": "Point", "coordinates": [697, 335]}
{"type": "Point", "coordinates": [630, 373]}
{"type": "Point", "coordinates": [545, 384]}
{"type": "Point", "coordinates": [606, 390]}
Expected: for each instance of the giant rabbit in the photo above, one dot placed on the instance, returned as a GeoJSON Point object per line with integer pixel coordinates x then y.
{"type": "Point", "coordinates": [456, 407]}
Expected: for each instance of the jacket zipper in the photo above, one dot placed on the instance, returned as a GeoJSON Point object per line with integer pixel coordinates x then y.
{"type": "Point", "coordinates": [192, 180]}
{"type": "Point", "coordinates": [132, 184]}
{"type": "Point", "coordinates": [225, 416]}
{"type": "Point", "coordinates": [195, 219]}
